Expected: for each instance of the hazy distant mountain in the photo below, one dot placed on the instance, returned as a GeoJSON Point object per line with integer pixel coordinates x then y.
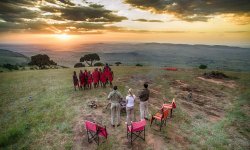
{"type": "Point", "coordinates": [156, 54]}
{"type": "Point", "coordinates": [10, 57]}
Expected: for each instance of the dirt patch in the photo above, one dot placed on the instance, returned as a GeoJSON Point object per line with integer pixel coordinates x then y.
{"type": "Point", "coordinates": [197, 99]}
{"type": "Point", "coordinates": [230, 84]}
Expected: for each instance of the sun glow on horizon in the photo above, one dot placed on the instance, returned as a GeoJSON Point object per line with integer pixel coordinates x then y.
{"type": "Point", "coordinates": [63, 36]}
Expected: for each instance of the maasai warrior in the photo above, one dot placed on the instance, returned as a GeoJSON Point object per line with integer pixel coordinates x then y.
{"type": "Point", "coordinates": [95, 76]}
{"type": "Point", "coordinates": [99, 75]}
{"type": "Point", "coordinates": [81, 78]}
{"type": "Point", "coordinates": [75, 80]}
{"type": "Point", "coordinates": [85, 79]}
{"type": "Point", "coordinates": [90, 80]}
{"type": "Point", "coordinates": [106, 67]}
{"type": "Point", "coordinates": [110, 77]}
{"type": "Point", "coordinates": [103, 79]}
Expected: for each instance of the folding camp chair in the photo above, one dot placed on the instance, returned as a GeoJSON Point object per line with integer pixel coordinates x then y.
{"type": "Point", "coordinates": [160, 116]}
{"type": "Point", "coordinates": [94, 131]}
{"type": "Point", "coordinates": [170, 106]}
{"type": "Point", "coordinates": [136, 128]}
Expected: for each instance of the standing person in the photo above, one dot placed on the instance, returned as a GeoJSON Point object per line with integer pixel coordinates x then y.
{"type": "Point", "coordinates": [81, 78]}
{"type": "Point", "coordinates": [115, 97]}
{"type": "Point", "coordinates": [95, 76]}
{"type": "Point", "coordinates": [130, 100]}
{"type": "Point", "coordinates": [110, 77]}
{"type": "Point", "coordinates": [99, 77]}
{"type": "Point", "coordinates": [90, 80]}
{"type": "Point", "coordinates": [85, 79]}
{"type": "Point", "coordinates": [103, 79]}
{"type": "Point", "coordinates": [144, 96]}
{"type": "Point", "coordinates": [75, 81]}
{"type": "Point", "coordinates": [106, 67]}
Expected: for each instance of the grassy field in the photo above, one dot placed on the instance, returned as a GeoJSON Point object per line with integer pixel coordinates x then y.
{"type": "Point", "coordinates": [40, 110]}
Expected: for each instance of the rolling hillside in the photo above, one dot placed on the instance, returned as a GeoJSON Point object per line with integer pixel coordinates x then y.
{"type": "Point", "coordinates": [10, 57]}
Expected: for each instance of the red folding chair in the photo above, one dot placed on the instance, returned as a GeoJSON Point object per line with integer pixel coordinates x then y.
{"type": "Point", "coordinates": [170, 106]}
{"type": "Point", "coordinates": [94, 131]}
{"type": "Point", "coordinates": [136, 128]}
{"type": "Point", "coordinates": [160, 116]}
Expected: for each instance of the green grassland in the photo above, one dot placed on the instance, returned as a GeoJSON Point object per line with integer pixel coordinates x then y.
{"type": "Point", "coordinates": [54, 117]}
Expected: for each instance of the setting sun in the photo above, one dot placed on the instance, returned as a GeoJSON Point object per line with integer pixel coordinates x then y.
{"type": "Point", "coordinates": [63, 36]}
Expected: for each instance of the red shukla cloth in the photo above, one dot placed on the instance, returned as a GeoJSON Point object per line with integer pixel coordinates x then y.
{"type": "Point", "coordinates": [95, 75]}
{"type": "Point", "coordinates": [103, 77]}
{"type": "Point", "coordinates": [81, 77]}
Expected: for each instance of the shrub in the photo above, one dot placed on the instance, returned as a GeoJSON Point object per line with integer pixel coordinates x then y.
{"type": "Point", "coordinates": [203, 66]}
{"type": "Point", "coordinates": [78, 65]}
{"type": "Point", "coordinates": [118, 63]}
{"type": "Point", "coordinates": [215, 74]}
{"type": "Point", "coordinates": [10, 67]}
{"type": "Point", "coordinates": [139, 65]}
{"type": "Point", "coordinates": [98, 64]}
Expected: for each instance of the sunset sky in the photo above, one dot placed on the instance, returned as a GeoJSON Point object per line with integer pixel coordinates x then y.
{"type": "Point", "coordinates": [224, 22]}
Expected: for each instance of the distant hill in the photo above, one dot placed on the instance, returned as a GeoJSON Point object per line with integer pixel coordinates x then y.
{"type": "Point", "coordinates": [10, 57]}
{"type": "Point", "coordinates": [151, 54]}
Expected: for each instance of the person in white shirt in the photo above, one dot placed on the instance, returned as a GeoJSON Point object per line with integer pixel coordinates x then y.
{"type": "Point", "coordinates": [130, 100]}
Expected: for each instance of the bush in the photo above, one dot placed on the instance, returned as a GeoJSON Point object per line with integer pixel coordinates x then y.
{"type": "Point", "coordinates": [78, 65]}
{"type": "Point", "coordinates": [10, 67]}
{"type": "Point", "coordinates": [98, 64]}
{"type": "Point", "coordinates": [203, 66]}
{"type": "Point", "coordinates": [215, 74]}
{"type": "Point", "coordinates": [139, 65]}
{"type": "Point", "coordinates": [118, 63]}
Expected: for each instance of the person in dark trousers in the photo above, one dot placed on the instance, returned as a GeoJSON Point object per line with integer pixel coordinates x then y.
{"type": "Point", "coordinates": [144, 96]}
{"type": "Point", "coordinates": [75, 81]}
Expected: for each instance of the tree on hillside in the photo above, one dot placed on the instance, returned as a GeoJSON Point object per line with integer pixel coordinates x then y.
{"type": "Point", "coordinates": [90, 58]}
{"type": "Point", "coordinates": [118, 63]}
{"type": "Point", "coordinates": [41, 61]}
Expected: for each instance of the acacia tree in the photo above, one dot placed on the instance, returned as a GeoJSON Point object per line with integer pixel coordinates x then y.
{"type": "Point", "coordinates": [41, 60]}
{"type": "Point", "coordinates": [90, 58]}
{"type": "Point", "coordinates": [118, 63]}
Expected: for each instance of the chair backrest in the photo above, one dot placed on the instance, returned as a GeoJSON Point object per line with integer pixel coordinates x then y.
{"type": "Point", "coordinates": [138, 126]}
{"type": "Point", "coordinates": [165, 114]}
{"type": "Point", "coordinates": [90, 126]}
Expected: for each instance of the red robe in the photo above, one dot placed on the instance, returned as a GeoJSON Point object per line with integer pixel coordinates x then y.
{"type": "Point", "coordinates": [95, 76]}
{"type": "Point", "coordinates": [81, 77]}
{"type": "Point", "coordinates": [90, 80]}
{"type": "Point", "coordinates": [85, 77]}
{"type": "Point", "coordinates": [110, 76]}
{"type": "Point", "coordinates": [103, 77]}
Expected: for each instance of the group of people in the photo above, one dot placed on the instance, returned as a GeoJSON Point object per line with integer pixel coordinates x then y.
{"type": "Point", "coordinates": [99, 77]}
{"type": "Point", "coordinates": [115, 97]}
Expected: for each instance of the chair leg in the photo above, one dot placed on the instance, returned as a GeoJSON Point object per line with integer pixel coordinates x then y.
{"type": "Point", "coordinates": [171, 112]}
